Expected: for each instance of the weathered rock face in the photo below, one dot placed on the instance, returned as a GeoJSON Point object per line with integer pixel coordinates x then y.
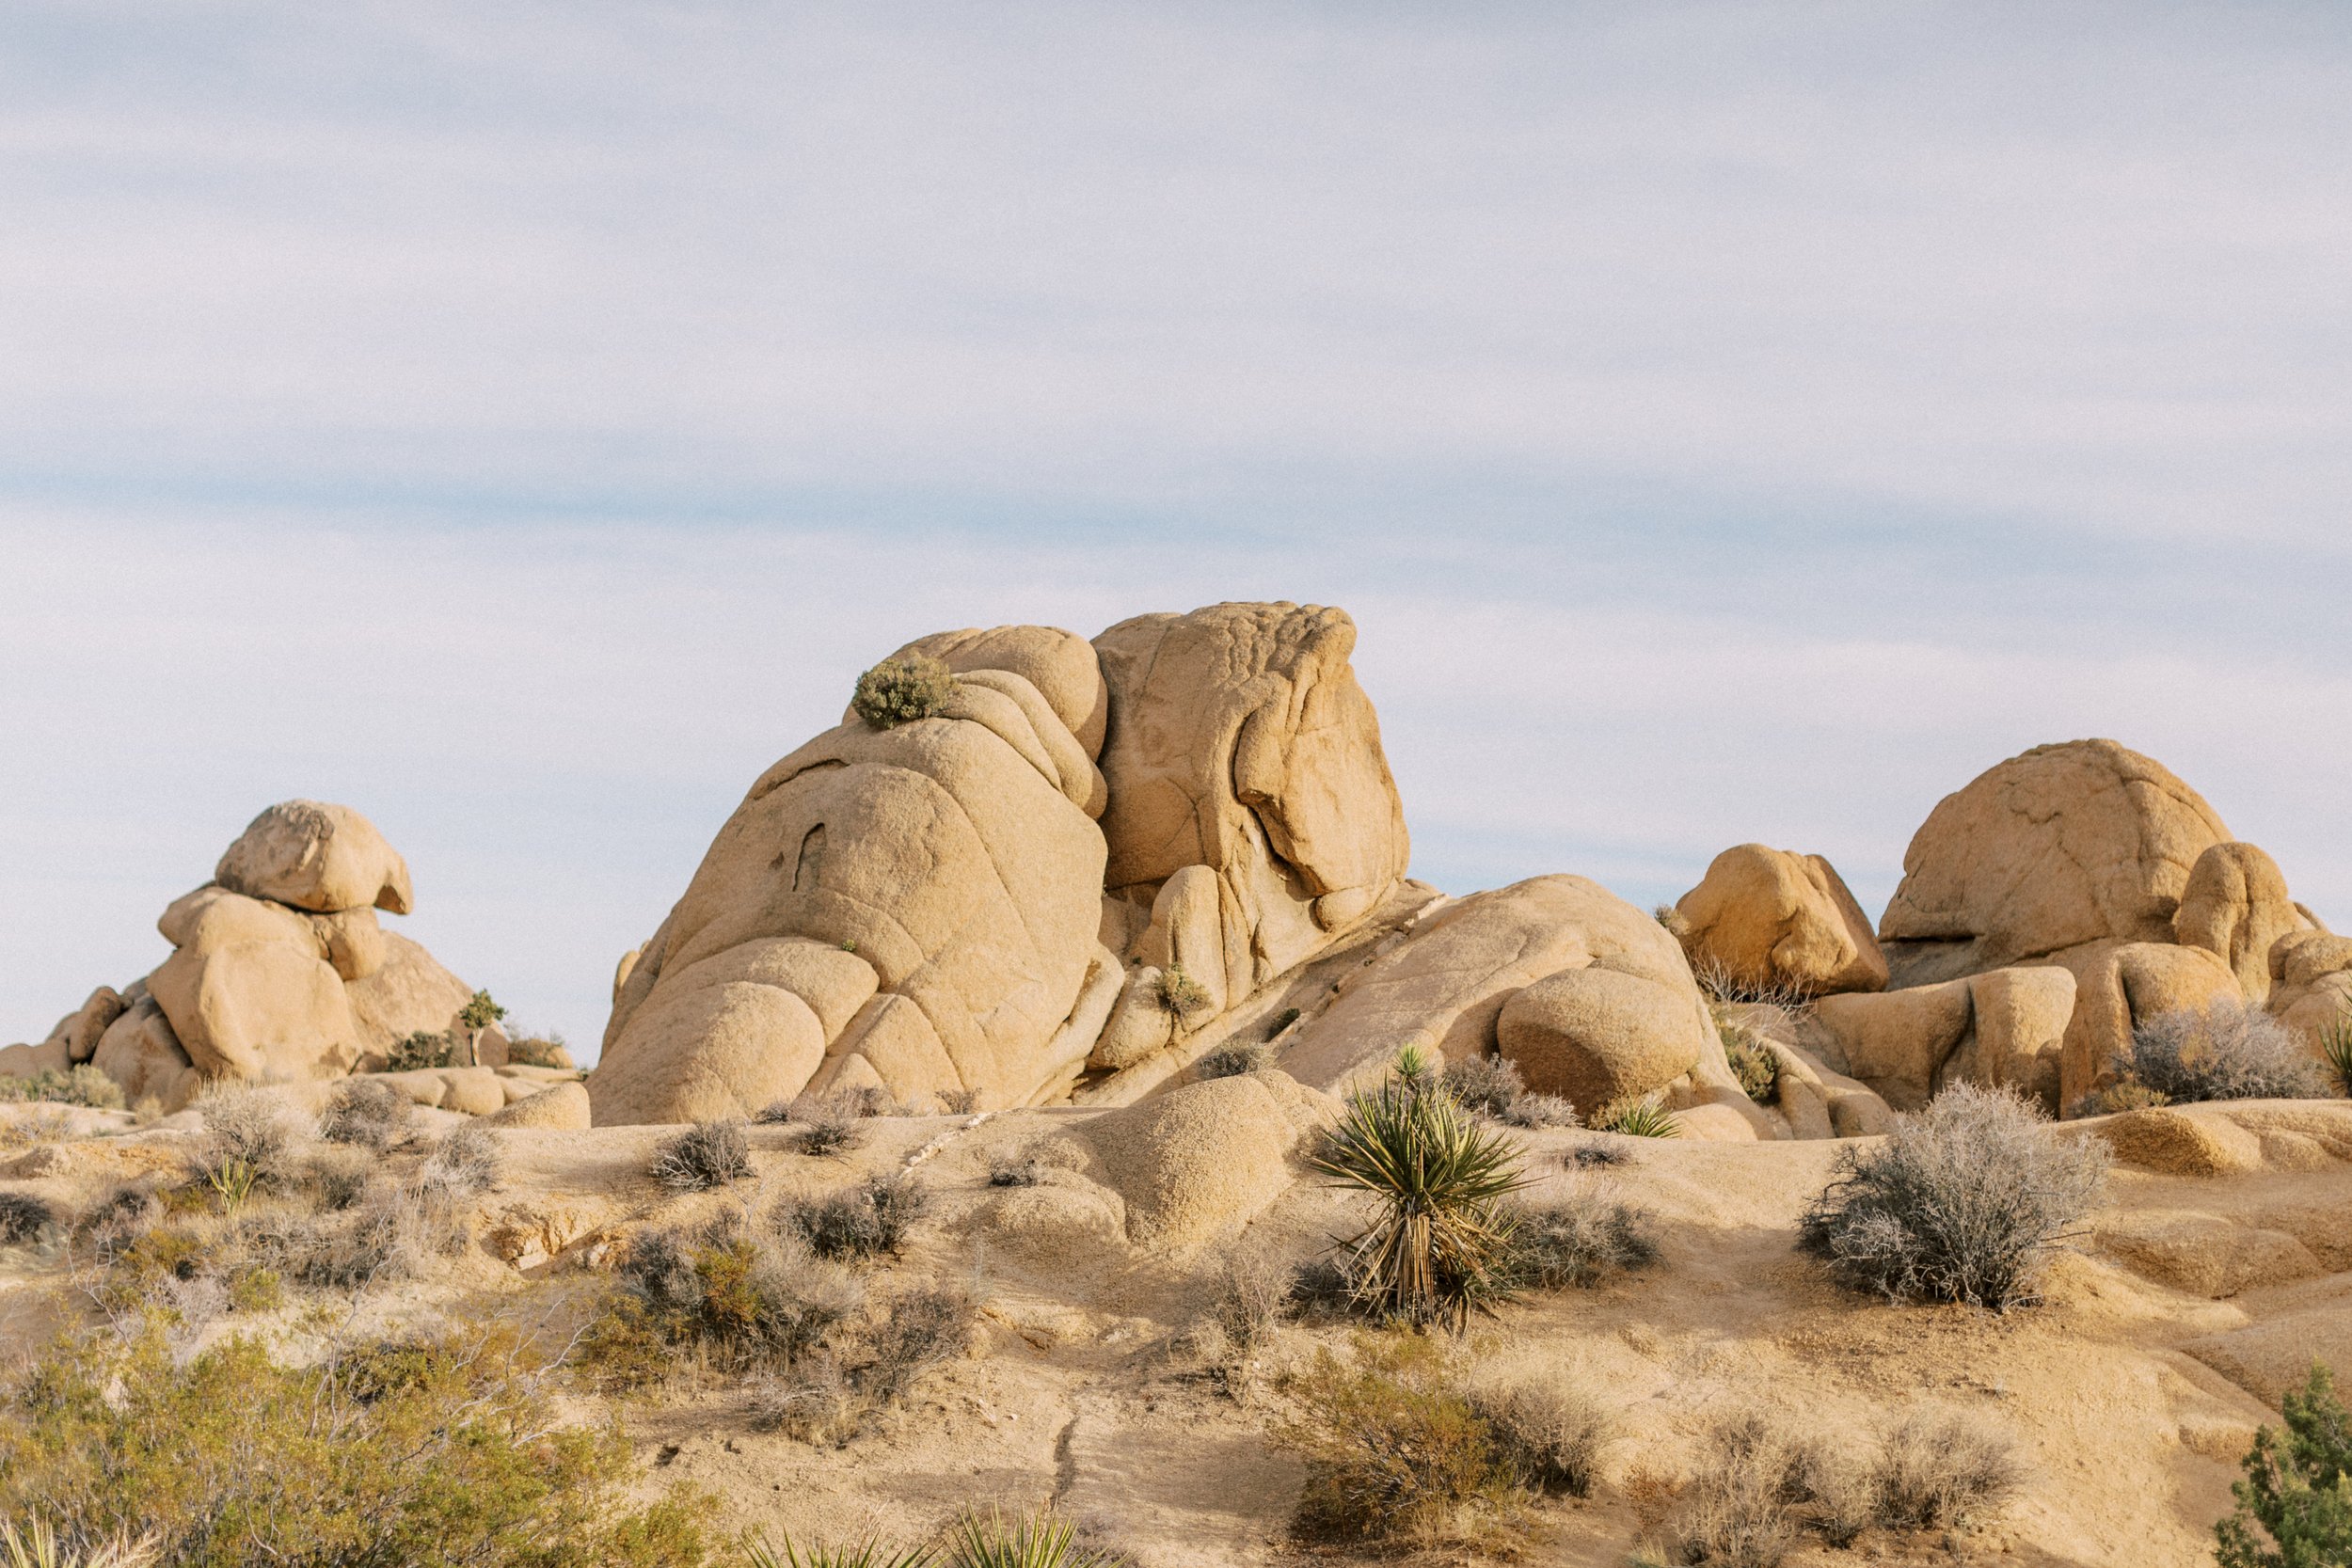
{"type": "Point", "coordinates": [315, 856]}
{"type": "Point", "coordinates": [250, 991]}
{"type": "Point", "coordinates": [1773, 921]}
{"type": "Point", "coordinates": [2236, 905]}
{"type": "Point", "coordinates": [2060, 847]}
{"type": "Point", "coordinates": [142, 1054]}
{"type": "Point", "coordinates": [2121, 985]}
{"type": "Point", "coordinates": [408, 993]}
{"type": "Point", "coordinates": [916, 908]}
{"type": "Point", "coordinates": [1240, 741]}
{"type": "Point", "coordinates": [1204, 1160]}
{"type": "Point", "coordinates": [2311, 982]}
{"type": "Point", "coordinates": [2007, 1027]}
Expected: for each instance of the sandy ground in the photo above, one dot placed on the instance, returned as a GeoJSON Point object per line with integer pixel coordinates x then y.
{"type": "Point", "coordinates": [2134, 1389]}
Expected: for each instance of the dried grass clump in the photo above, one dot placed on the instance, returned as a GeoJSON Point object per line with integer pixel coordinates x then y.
{"type": "Point", "coordinates": [1936, 1468]}
{"type": "Point", "coordinates": [870, 1220]}
{"type": "Point", "coordinates": [1590, 1156]}
{"type": "Point", "coordinates": [1179, 993]}
{"type": "Point", "coordinates": [24, 1217]}
{"type": "Point", "coordinates": [2227, 1052]}
{"type": "Point", "coordinates": [1550, 1433]}
{"type": "Point", "coordinates": [707, 1155]}
{"type": "Point", "coordinates": [1738, 1510]}
{"type": "Point", "coordinates": [367, 1113]}
{"type": "Point", "coordinates": [1962, 1202]}
{"type": "Point", "coordinates": [900, 690]}
{"type": "Point", "coordinates": [1535, 1111]}
{"type": "Point", "coordinates": [1581, 1239]}
{"type": "Point", "coordinates": [1234, 1058]}
{"type": "Point", "coordinates": [1254, 1292]}
{"type": "Point", "coordinates": [464, 1164]}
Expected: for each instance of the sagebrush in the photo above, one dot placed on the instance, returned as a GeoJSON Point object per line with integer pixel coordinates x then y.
{"type": "Point", "coordinates": [2226, 1051]}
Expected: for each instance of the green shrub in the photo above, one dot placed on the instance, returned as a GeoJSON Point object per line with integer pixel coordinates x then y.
{"type": "Point", "coordinates": [1962, 1202]}
{"type": "Point", "coordinates": [1179, 993]}
{"type": "Point", "coordinates": [1232, 1059]}
{"type": "Point", "coordinates": [707, 1155]}
{"type": "Point", "coordinates": [234, 1461]}
{"type": "Point", "coordinates": [900, 691]}
{"type": "Point", "coordinates": [423, 1049]}
{"type": "Point", "coordinates": [1440, 1244]}
{"type": "Point", "coordinates": [1394, 1451]}
{"type": "Point", "coordinates": [479, 1012]}
{"type": "Point", "coordinates": [2226, 1051]}
{"type": "Point", "coordinates": [81, 1085]}
{"type": "Point", "coordinates": [2295, 1506]}
{"type": "Point", "coordinates": [545, 1050]}
{"type": "Point", "coordinates": [1753, 1062]}
{"type": "Point", "coordinates": [1635, 1117]}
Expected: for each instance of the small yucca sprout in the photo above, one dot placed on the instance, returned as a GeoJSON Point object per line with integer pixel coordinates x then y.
{"type": "Point", "coordinates": [1636, 1118]}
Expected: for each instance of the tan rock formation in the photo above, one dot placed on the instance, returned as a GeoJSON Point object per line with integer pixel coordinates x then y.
{"type": "Point", "coordinates": [2058, 848]}
{"type": "Point", "coordinates": [916, 906]}
{"type": "Point", "coordinates": [1599, 1034]}
{"type": "Point", "coordinates": [249, 990]}
{"type": "Point", "coordinates": [1240, 741]}
{"type": "Point", "coordinates": [1204, 1160]}
{"type": "Point", "coordinates": [409, 993]}
{"type": "Point", "coordinates": [2236, 905]}
{"type": "Point", "coordinates": [2120, 986]}
{"type": "Point", "coordinates": [562, 1107]}
{"type": "Point", "coordinates": [2007, 1027]}
{"type": "Point", "coordinates": [2311, 982]}
{"type": "Point", "coordinates": [315, 856]}
{"type": "Point", "coordinates": [1774, 921]}
{"type": "Point", "coordinates": [142, 1054]}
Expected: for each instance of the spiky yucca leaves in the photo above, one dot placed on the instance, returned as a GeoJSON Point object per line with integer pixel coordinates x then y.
{"type": "Point", "coordinates": [37, 1546]}
{"type": "Point", "coordinates": [1636, 1118]}
{"type": "Point", "coordinates": [1032, 1541]}
{"type": "Point", "coordinates": [868, 1553]}
{"type": "Point", "coordinates": [2335, 1045]}
{"type": "Point", "coordinates": [1441, 1243]}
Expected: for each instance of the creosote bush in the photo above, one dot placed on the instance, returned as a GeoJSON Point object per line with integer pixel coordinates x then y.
{"type": "Point", "coordinates": [1962, 1202]}
{"type": "Point", "coordinates": [442, 1452]}
{"type": "Point", "coordinates": [1395, 1450]}
{"type": "Point", "coordinates": [2295, 1506]}
{"type": "Point", "coordinates": [900, 690]}
{"type": "Point", "coordinates": [2227, 1052]}
{"type": "Point", "coordinates": [80, 1085]}
{"type": "Point", "coordinates": [870, 1220]}
{"type": "Point", "coordinates": [1752, 1060]}
{"type": "Point", "coordinates": [422, 1050]}
{"type": "Point", "coordinates": [367, 1113]}
{"type": "Point", "coordinates": [707, 1155]}
{"type": "Point", "coordinates": [1234, 1058]}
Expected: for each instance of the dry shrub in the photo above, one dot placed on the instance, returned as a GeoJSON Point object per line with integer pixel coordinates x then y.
{"type": "Point", "coordinates": [1022, 1169]}
{"type": "Point", "coordinates": [1551, 1435]}
{"type": "Point", "coordinates": [80, 1085]}
{"type": "Point", "coordinates": [830, 1123]}
{"type": "Point", "coordinates": [811, 1401]}
{"type": "Point", "coordinates": [1179, 993]}
{"type": "Point", "coordinates": [367, 1113]}
{"type": "Point", "coordinates": [1962, 1202]}
{"type": "Point", "coordinates": [740, 1299]}
{"type": "Point", "coordinates": [1535, 1111]}
{"type": "Point", "coordinates": [119, 1220]}
{"type": "Point", "coordinates": [1252, 1295]}
{"type": "Point", "coordinates": [337, 1177]}
{"type": "Point", "coordinates": [1487, 1085]}
{"type": "Point", "coordinates": [248, 1128]}
{"type": "Point", "coordinates": [917, 1332]}
{"type": "Point", "coordinates": [1581, 1239]}
{"type": "Point", "coordinates": [1590, 1156]}
{"type": "Point", "coordinates": [1394, 1450]}
{"type": "Point", "coordinates": [1937, 1468]}
{"type": "Point", "coordinates": [1233, 1058]}
{"type": "Point", "coordinates": [2126, 1093]}
{"type": "Point", "coordinates": [51, 1124]}
{"type": "Point", "coordinates": [1739, 1511]}
{"type": "Point", "coordinates": [870, 1220]}
{"type": "Point", "coordinates": [707, 1155]}
{"type": "Point", "coordinates": [464, 1164]}
{"type": "Point", "coordinates": [24, 1216]}
{"type": "Point", "coordinates": [2227, 1052]}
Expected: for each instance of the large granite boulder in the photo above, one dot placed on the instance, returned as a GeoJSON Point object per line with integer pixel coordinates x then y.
{"type": "Point", "coordinates": [2056, 849]}
{"type": "Point", "coordinates": [2006, 1027]}
{"type": "Point", "coordinates": [2236, 906]}
{"type": "Point", "coordinates": [1240, 741]}
{"type": "Point", "coordinates": [916, 908]}
{"type": "Point", "coordinates": [250, 990]}
{"type": "Point", "coordinates": [315, 856]}
{"type": "Point", "coordinates": [1771, 921]}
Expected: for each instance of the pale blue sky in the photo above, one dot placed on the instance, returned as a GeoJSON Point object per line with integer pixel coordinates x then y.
{"type": "Point", "coordinates": [1726, 422]}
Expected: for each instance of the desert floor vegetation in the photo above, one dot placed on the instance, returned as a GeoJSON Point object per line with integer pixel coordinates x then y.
{"type": "Point", "coordinates": [1964, 1202]}
{"type": "Point", "coordinates": [709, 1155]}
{"type": "Point", "coordinates": [80, 1085]}
{"type": "Point", "coordinates": [2225, 1051]}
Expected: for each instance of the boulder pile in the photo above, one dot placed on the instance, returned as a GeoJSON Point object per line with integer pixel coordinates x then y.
{"type": "Point", "coordinates": [280, 971]}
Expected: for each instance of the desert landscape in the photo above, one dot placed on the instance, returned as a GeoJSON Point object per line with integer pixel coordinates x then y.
{"type": "Point", "coordinates": [1051, 1125]}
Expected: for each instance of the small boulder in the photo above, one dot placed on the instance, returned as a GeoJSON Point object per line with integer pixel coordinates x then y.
{"type": "Point", "coordinates": [1204, 1160]}
{"type": "Point", "coordinates": [1771, 920]}
{"type": "Point", "coordinates": [1598, 1035]}
{"type": "Point", "coordinates": [2237, 907]}
{"type": "Point", "coordinates": [563, 1108]}
{"type": "Point", "coordinates": [318, 857]}
{"type": "Point", "coordinates": [140, 1052]}
{"type": "Point", "coordinates": [249, 992]}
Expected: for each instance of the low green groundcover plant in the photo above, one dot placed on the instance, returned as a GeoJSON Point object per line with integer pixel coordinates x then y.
{"type": "Point", "coordinates": [2295, 1506]}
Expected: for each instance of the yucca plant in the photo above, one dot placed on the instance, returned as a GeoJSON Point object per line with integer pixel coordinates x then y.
{"type": "Point", "coordinates": [1637, 1118]}
{"type": "Point", "coordinates": [1440, 1245]}
{"type": "Point", "coordinates": [868, 1553]}
{"type": "Point", "coordinates": [1044, 1539]}
{"type": "Point", "coordinates": [231, 1181]}
{"type": "Point", "coordinates": [2335, 1044]}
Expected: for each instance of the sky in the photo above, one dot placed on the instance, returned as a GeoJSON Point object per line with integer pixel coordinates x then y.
{"type": "Point", "coordinates": [1726, 422]}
